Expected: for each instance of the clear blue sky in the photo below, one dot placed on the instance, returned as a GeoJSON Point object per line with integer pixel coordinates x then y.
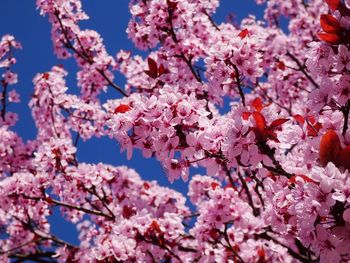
{"type": "Point", "coordinates": [109, 17]}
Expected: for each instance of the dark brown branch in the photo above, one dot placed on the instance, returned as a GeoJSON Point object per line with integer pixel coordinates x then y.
{"type": "Point", "coordinates": [4, 85]}
{"type": "Point", "coordinates": [85, 57]}
{"type": "Point", "coordinates": [71, 206]}
{"type": "Point", "coordinates": [3, 99]}
{"type": "Point", "coordinates": [345, 112]}
{"type": "Point", "coordinates": [82, 209]}
{"type": "Point", "coordinates": [20, 246]}
{"type": "Point", "coordinates": [34, 257]}
{"type": "Point", "coordinates": [256, 188]}
{"type": "Point", "coordinates": [238, 80]}
{"type": "Point", "coordinates": [302, 69]}
{"type": "Point", "coordinates": [290, 251]}
{"type": "Point", "coordinates": [256, 211]}
{"type": "Point", "coordinates": [172, 33]}
{"type": "Point", "coordinates": [277, 169]}
{"type": "Point", "coordinates": [211, 20]}
{"type": "Point", "coordinates": [266, 96]}
{"type": "Point", "coordinates": [228, 173]}
{"type": "Point", "coordinates": [94, 192]}
{"type": "Point", "coordinates": [230, 246]}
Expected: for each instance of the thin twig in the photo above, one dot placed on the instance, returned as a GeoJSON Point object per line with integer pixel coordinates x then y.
{"type": "Point", "coordinates": [345, 111]}
{"type": "Point", "coordinates": [302, 69]}
{"type": "Point", "coordinates": [256, 211]}
{"type": "Point", "coordinates": [71, 206]}
{"type": "Point", "coordinates": [230, 246]}
{"type": "Point", "coordinates": [290, 251]}
{"type": "Point", "coordinates": [3, 99]}
{"type": "Point", "coordinates": [211, 20]}
{"type": "Point", "coordinates": [86, 58]}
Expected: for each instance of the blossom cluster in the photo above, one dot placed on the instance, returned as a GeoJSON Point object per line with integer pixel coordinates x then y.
{"type": "Point", "coordinates": [277, 163]}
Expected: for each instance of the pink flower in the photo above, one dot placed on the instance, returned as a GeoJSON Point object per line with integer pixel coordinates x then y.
{"type": "Point", "coordinates": [342, 60]}
{"type": "Point", "coordinates": [14, 97]}
{"type": "Point", "coordinates": [10, 77]}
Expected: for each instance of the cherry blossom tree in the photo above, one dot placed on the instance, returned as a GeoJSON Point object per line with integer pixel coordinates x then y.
{"type": "Point", "coordinates": [277, 186]}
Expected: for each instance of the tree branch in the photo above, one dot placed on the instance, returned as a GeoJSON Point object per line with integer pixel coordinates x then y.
{"type": "Point", "coordinates": [302, 69]}
{"type": "Point", "coordinates": [256, 211]}
{"type": "Point", "coordinates": [345, 111]}
{"type": "Point", "coordinates": [86, 58]}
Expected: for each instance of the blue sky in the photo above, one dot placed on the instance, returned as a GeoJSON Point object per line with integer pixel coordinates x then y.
{"type": "Point", "coordinates": [108, 17]}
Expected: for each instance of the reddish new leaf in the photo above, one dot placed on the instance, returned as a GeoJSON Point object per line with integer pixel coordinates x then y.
{"type": "Point", "coordinates": [276, 123]}
{"type": "Point", "coordinates": [162, 70]}
{"type": "Point", "coordinates": [329, 147]}
{"type": "Point", "coordinates": [261, 254]}
{"type": "Point", "coordinates": [330, 38]}
{"type": "Point", "coordinates": [259, 120]}
{"type": "Point", "coordinates": [330, 24]}
{"type": "Point", "coordinates": [146, 185]}
{"type": "Point", "coordinates": [246, 115]}
{"type": "Point", "coordinates": [257, 104]}
{"type": "Point", "coordinates": [128, 212]}
{"type": "Point", "coordinates": [243, 33]}
{"type": "Point", "coordinates": [214, 185]}
{"type": "Point", "coordinates": [281, 65]}
{"type": "Point", "coordinates": [122, 108]}
{"type": "Point", "coordinates": [304, 177]}
{"type": "Point", "coordinates": [333, 4]}
{"type": "Point", "coordinates": [46, 75]}
{"type": "Point", "coordinates": [312, 129]}
{"type": "Point", "coordinates": [172, 5]}
{"type": "Point", "coordinates": [300, 119]}
{"type": "Point", "coordinates": [153, 68]}
{"type": "Point", "coordinates": [49, 200]}
{"type": "Point", "coordinates": [343, 158]}
{"type": "Point", "coordinates": [269, 134]}
{"type": "Point", "coordinates": [154, 226]}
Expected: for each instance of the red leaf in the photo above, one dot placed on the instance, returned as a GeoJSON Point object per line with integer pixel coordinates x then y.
{"type": "Point", "coordinates": [49, 200]}
{"type": "Point", "coordinates": [312, 130]}
{"type": "Point", "coordinates": [257, 104]}
{"type": "Point", "coordinates": [272, 176]}
{"type": "Point", "coordinates": [329, 147]}
{"type": "Point", "coordinates": [300, 119]}
{"type": "Point", "coordinates": [330, 24]}
{"type": "Point", "coordinates": [172, 5]}
{"type": "Point", "coordinates": [162, 70]}
{"type": "Point", "coordinates": [153, 68]}
{"type": "Point", "coordinates": [329, 38]}
{"type": "Point", "coordinates": [46, 75]}
{"type": "Point", "coordinates": [343, 158]}
{"type": "Point", "coordinates": [248, 179]}
{"type": "Point", "coordinates": [259, 120]}
{"type": "Point", "coordinates": [281, 65]}
{"type": "Point", "coordinates": [155, 226]}
{"type": "Point", "coordinates": [268, 134]}
{"type": "Point", "coordinates": [311, 119]}
{"type": "Point", "coordinates": [304, 177]}
{"type": "Point", "coordinates": [152, 65]}
{"type": "Point", "coordinates": [214, 185]}
{"type": "Point", "coordinates": [146, 185]}
{"type": "Point", "coordinates": [243, 33]}
{"type": "Point", "coordinates": [122, 108]}
{"type": "Point", "coordinates": [128, 212]}
{"type": "Point", "coordinates": [333, 4]}
{"type": "Point", "coordinates": [261, 254]}
{"type": "Point", "coordinates": [246, 115]}
{"type": "Point", "coordinates": [277, 123]}
{"type": "Point", "coordinates": [317, 126]}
